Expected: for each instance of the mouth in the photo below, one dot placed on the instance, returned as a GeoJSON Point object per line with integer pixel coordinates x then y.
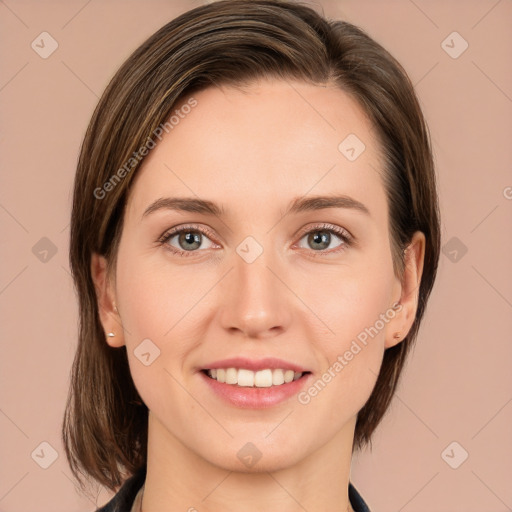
{"type": "Point", "coordinates": [264, 378]}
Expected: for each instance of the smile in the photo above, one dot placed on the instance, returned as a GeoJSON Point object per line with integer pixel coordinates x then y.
{"type": "Point", "coordinates": [247, 378]}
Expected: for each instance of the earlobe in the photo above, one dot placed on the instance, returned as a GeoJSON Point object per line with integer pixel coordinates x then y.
{"type": "Point", "coordinates": [105, 297]}
{"type": "Point", "coordinates": [410, 286]}
{"type": "Point", "coordinates": [395, 337]}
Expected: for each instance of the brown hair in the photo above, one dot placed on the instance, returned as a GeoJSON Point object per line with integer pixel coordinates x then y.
{"type": "Point", "coordinates": [229, 42]}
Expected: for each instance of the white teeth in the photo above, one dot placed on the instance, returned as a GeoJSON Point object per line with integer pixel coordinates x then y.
{"type": "Point", "coordinates": [231, 376]}
{"type": "Point", "coordinates": [277, 377]}
{"type": "Point", "coordinates": [288, 375]}
{"type": "Point", "coordinates": [263, 379]}
{"type": "Point", "coordinates": [260, 379]}
{"type": "Point", "coordinates": [245, 378]}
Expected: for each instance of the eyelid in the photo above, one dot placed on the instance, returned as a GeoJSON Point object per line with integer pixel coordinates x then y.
{"type": "Point", "coordinates": [341, 232]}
{"type": "Point", "coordinates": [184, 227]}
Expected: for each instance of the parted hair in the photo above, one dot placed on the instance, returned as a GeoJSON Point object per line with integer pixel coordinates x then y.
{"type": "Point", "coordinates": [228, 42]}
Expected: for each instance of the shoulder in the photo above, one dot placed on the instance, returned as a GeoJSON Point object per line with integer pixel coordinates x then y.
{"type": "Point", "coordinates": [356, 500]}
{"type": "Point", "coordinates": [124, 498]}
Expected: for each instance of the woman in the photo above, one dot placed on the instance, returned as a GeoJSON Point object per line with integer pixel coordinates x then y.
{"type": "Point", "coordinates": [254, 237]}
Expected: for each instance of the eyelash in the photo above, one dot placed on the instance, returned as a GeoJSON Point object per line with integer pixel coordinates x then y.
{"type": "Point", "coordinates": [343, 234]}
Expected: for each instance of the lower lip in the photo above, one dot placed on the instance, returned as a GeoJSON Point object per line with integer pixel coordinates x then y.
{"type": "Point", "coordinates": [255, 398]}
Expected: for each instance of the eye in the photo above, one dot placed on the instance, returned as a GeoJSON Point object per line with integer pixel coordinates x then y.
{"type": "Point", "coordinates": [188, 240]}
{"type": "Point", "coordinates": [320, 238]}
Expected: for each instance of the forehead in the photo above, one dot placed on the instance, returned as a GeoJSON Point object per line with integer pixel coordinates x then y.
{"type": "Point", "coordinates": [271, 140]}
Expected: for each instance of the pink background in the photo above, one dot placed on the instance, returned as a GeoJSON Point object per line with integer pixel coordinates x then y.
{"type": "Point", "coordinates": [458, 384]}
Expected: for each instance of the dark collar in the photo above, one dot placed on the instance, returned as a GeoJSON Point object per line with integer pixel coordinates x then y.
{"type": "Point", "coordinates": [123, 500]}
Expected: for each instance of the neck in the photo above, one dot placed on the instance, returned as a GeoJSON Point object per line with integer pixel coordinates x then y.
{"type": "Point", "coordinates": [179, 479]}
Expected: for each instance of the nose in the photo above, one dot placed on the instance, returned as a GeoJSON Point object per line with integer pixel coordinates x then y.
{"type": "Point", "coordinates": [256, 302]}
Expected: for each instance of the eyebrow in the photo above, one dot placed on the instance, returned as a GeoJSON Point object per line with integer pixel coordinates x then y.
{"type": "Point", "coordinates": [298, 205]}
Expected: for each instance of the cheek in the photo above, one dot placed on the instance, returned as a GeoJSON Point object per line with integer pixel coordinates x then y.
{"type": "Point", "coordinates": [356, 311]}
{"type": "Point", "coordinates": [154, 307]}
{"type": "Point", "coordinates": [163, 313]}
{"type": "Point", "coordinates": [349, 302]}
{"type": "Point", "coordinates": [155, 298]}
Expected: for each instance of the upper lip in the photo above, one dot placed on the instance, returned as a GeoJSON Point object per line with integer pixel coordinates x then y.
{"type": "Point", "coordinates": [255, 364]}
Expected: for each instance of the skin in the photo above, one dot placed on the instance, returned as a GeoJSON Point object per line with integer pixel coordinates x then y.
{"type": "Point", "coordinates": [254, 151]}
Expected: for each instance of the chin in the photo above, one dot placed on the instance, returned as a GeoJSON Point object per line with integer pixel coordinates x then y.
{"type": "Point", "coordinates": [252, 458]}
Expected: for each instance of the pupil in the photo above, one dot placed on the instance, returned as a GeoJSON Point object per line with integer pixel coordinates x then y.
{"type": "Point", "coordinates": [190, 238]}
{"type": "Point", "coordinates": [322, 239]}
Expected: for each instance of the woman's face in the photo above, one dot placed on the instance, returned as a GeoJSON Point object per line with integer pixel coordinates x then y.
{"type": "Point", "coordinates": [312, 286]}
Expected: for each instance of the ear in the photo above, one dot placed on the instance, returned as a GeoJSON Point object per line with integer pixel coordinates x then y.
{"type": "Point", "coordinates": [409, 291]}
{"type": "Point", "coordinates": [106, 299]}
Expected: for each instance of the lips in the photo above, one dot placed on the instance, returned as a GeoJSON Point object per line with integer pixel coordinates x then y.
{"type": "Point", "coordinates": [255, 397]}
{"type": "Point", "coordinates": [270, 363]}
{"type": "Point", "coordinates": [254, 383]}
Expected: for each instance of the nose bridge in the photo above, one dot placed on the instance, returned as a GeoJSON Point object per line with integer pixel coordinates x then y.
{"type": "Point", "coordinates": [255, 302]}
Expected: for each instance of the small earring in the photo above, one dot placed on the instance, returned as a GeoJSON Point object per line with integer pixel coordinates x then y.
{"type": "Point", "coordinates": [110, 334]}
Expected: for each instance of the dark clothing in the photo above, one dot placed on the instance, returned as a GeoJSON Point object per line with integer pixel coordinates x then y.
{"type": "Point", "coordinates": [123, 500]}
